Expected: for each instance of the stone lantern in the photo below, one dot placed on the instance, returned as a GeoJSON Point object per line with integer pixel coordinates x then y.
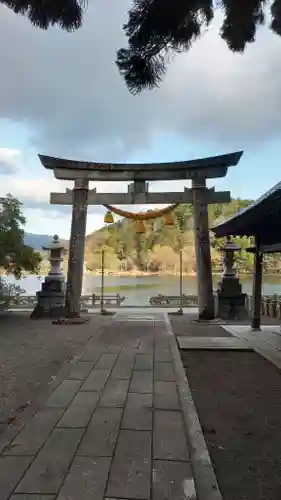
{"type": "Point", "coordinates": [230, 301]}
{"type": "Point", "coordinates": [50, 300]}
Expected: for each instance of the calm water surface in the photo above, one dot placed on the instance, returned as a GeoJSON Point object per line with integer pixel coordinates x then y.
{"type": "Point", "coordinates": [137, 290]}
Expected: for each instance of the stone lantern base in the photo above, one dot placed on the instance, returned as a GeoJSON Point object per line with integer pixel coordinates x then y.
{"type": "Point", "coordinates": [230, 301]}
{"type": "Point", "coordinates": [51, 299]}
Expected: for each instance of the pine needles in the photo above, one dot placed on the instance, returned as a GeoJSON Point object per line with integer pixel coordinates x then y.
{"type": "Point", "coordinates": [157, 28]}
{"type": "Point", "coordinates": [45, 13]}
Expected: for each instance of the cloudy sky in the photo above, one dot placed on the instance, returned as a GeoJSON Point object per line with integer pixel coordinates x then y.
{"type": "Point", "coordinates": [61, 94]}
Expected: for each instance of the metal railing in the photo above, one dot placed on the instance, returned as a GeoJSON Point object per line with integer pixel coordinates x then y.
{"type": "Point", "coordinates": [270, 304]}
{"type": "Point", "coordinates": [110, 301]}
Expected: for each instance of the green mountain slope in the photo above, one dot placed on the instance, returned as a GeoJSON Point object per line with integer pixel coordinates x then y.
{"type": "Point", "coordinates": [158, 249]}
{"type": "Point", "coordinates": [37, 241]}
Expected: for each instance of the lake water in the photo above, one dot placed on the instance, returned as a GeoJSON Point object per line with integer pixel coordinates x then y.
{"type": "Point", "coordinates": [137, 290]}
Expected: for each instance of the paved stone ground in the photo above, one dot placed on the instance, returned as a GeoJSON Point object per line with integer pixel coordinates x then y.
{"type": "Point", "coordinates": [184, 326]}
{"type": "Point", "coordinates": [32, 354]}
{"type": "Point", "coordinates": [114, 429]}
{"type": "Point", "coordinates": [266, 342]}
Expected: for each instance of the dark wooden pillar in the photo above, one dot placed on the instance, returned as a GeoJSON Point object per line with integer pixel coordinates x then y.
{"type": "Point", "coordinates": [76, 248]}
{"type": "Point", "coordinates": [203, 250]}
{"type": "Point", "coordinates": [257, 289]}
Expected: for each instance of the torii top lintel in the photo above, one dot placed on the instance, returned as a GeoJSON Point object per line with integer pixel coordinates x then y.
{"type": "Point", "coordinates": [213, 167]}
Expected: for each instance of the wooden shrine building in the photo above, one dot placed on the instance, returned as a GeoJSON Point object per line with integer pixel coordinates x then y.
{"type": "Point", "coordinates": [262, 220]}
{"type": "Point", "coordinates": [81, 172]}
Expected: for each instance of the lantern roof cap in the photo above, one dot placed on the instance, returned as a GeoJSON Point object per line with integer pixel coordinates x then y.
{"type": "Point", "coordinates": [230, 245]}
{"type": "Point", "coordinates": [55, 244]}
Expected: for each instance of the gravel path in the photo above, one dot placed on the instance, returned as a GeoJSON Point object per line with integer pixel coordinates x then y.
{"type": "Point", "coordinates": [31, 354]}
{"type": "Point", "coordinates": [238, 399]}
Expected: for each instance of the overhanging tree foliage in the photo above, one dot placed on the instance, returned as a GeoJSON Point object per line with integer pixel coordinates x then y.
{"type": "Point", "coordinates": [45, 13]}
{"type": "Point", "coordinates": [158, 28]}
{"type": "Point", "coordinates": [15, 256]}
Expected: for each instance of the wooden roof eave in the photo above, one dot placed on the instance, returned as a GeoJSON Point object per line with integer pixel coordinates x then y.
{"type": "Point", "coordinates": [274, 248]}
{"type": "Point", "coordinates": [250, 220]}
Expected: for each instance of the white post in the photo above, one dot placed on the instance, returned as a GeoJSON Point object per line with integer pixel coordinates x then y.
{"type": "Point", "coordinates": [181, 310]}
{"type": "Point", "coordinates": [102, 283]}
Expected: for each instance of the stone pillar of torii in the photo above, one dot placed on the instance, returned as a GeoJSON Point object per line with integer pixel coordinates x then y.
{"type": "Point", "coordinates": [138, 193]}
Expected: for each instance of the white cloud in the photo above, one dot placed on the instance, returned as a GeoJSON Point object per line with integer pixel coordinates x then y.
{"type": "Point", "coordinates": [67, 88]}
{"type": "Point", "coordinates": [40, 222]}
{"type": "Point", "coordinates": [47, 219]}
{"type": "Point", "coordinates": [9, 160]}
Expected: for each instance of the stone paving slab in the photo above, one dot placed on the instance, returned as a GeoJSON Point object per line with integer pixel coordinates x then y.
{"type": "Point", "coordinates": [86, 479]}
{"type": "Point", "coordinates": [125, 363]}
{"type": "Point", "coordinates": [145, 347]}
{"type": "Point", "coordinates": [32, 497]}
{"type": "Point", "coordinates": [169, 436]}
{"type": "Point", "coordinates": [48, 470]}
{"type": "Point", "coordinates": [101, 435]}
{"type": "Point", "coordinates": [161, 343]}
{"type": "Point", "coordinates": [96, 380]}
{"type": "Point", "coordinates": [138, 412]}
{"type": "Point", "coordinates": [184, 326]}
{"type": "Point", "coordinates": [163, 355]}
{"type": "Point", "coordinates": [131, 468]}
{"type": "Point", "coordinates": [142, 381]}
{"type": "Point", "coordinates": [113, 429]}
{"type": "Point", "coordinates": [106, 360]}
{"type": "Point", "coordinates": [166, 396]}
{"type": "Point", "coordinates": [144, 362]}
{"type": "Point", "coordinates": [172, 480]}
{"type": "Point", "coordinates": [136, 401]}
{"type": "Point", "coordinates": [81, 370]}
{"type": "Point", "coordinates": [232, 343]}
{"type": "Point", "coordinates": [94, 352]}
{"type": "Point", "coordinates": [266, 342]}
{"type": "Point", "coordinates": [113, 348]}
{"type": "Point", "coordinates": [11, 470]}
{"type": "Point", "coordinates": [115, 393]}
{"type": "Point", "coordinates": [34, 434]}
{"type": "Point", "coordinates": [164, 372]}
{"type": "Point", "coordinates": [80, 410]}
{"type": "Point", "coordinates": [64, 394]}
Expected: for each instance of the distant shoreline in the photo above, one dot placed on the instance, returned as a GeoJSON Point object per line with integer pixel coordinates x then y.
{"type": "Point", "coordinates": [139, 274]}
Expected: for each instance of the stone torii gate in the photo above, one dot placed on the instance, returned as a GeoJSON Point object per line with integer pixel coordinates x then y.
{"type": "Point", "coordinates": [138, 193]}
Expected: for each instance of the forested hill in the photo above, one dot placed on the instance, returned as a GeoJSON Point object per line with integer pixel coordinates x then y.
{"type": "Point", "coordinates": [158, 249]}
{"type": "Point", "coordinates": [37, 241]}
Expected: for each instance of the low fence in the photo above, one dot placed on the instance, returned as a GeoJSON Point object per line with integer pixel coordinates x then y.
{"type": "Point", "coordinates": [89, 300]}
{"type": "Point", "coordinates": [110, 301]}
{"type": "Point", "coordinates": [173, 301]}
{"type": "Point", "coordinates": [270, 304]}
